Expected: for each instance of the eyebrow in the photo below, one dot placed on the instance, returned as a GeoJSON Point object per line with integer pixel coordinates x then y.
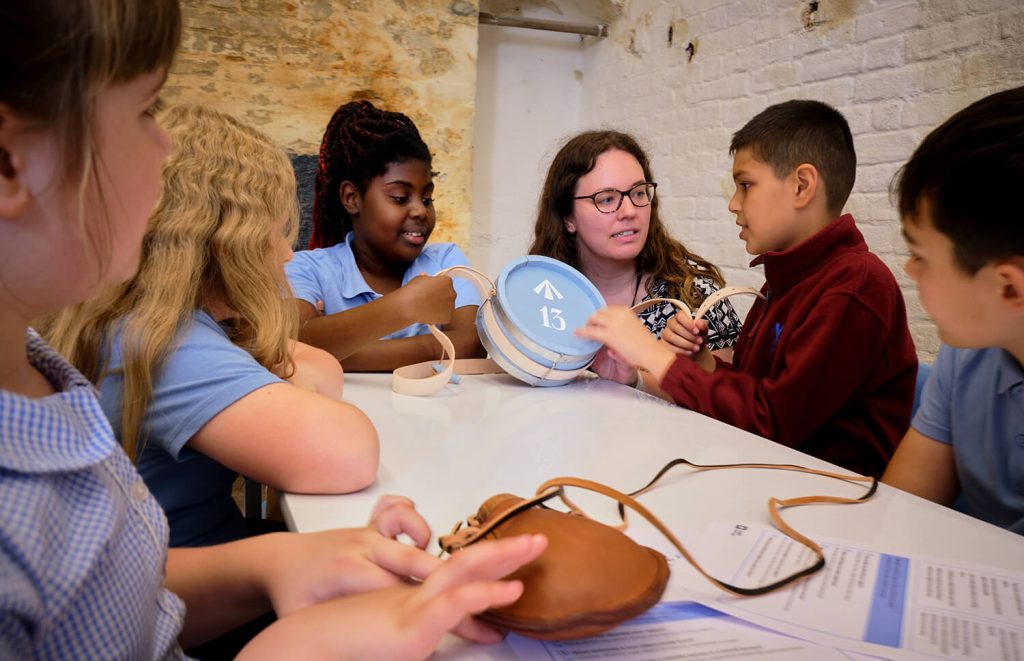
{"type": "Point", "coordinates": [738, 173]}
{"type": "Point", "coordinates": [407, 184]}
{"type": "Point", "coordinates": [630, 187]}
{"type": "Point", "coordinates": [906, 237]}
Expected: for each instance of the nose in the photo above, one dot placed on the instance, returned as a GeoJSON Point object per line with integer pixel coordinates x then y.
{"type": "Point", "coordinates": [626, 207]}
{"type": "Point", "coordinates": [734, 202]}
{"type": "Point", "coordinates": [416, 208]}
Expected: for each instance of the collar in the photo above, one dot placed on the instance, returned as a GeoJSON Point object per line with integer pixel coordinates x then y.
{"type": "Point", "coordinates": [787, 268]}
{"type": "Point", "coordinates": [60, 432]}
{"type": "Point", "coordinates": [353, 283]}
{"type": "Point", "coordinates": [1009, 372]}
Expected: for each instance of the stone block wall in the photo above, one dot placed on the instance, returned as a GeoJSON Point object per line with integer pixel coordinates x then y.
{"type": "Point", "coordinates": [284, 66]}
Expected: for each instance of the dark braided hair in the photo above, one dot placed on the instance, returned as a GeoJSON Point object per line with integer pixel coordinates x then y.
{"type": "Point", "coordinates": [359, 144]}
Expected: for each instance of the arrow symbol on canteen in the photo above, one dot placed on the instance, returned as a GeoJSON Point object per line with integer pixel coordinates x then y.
{"type": "Point", "coordinates": [548, 290]}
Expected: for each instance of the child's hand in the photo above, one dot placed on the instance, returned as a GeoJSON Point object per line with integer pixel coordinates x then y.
{"type": "Point", "coordinates": [619, 329]}
{"type": "Point", "coordinates": [407, 621]}
{"type": "Point", "coordinates": [428, 299]}
{"type": "Point", "coordinates": [685, 336]}
{"type": "Point", "coordinates": [305, 569]}
{"type": "Point", "coordinates": [608, 365]}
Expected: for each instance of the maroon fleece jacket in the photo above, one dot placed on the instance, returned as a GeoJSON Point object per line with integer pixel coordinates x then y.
{"type": "Point", "coordinates": [825, 365]}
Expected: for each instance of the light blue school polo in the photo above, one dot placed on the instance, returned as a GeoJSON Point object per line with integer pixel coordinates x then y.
{"type": "Point", "coordinates": [332, 276]}
{"type": "Point", "coordinates": [974, 400]}
{"type": "Point", "coordinates": [203, 374]}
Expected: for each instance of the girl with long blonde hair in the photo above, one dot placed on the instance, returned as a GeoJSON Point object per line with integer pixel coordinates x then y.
{"type": "Point", "coordinates": [195, 356]}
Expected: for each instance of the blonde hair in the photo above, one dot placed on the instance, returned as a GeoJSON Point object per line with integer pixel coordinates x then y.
{"type": "Point", "coordinates": [225, 188]}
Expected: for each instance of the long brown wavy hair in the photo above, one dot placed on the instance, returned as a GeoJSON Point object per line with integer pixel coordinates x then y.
{"type": "Point", "coordinates": [663, 257]}
{"type": "Point", "coordinates": [225, 188]}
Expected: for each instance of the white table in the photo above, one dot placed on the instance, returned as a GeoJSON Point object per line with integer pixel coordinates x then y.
{"type": "Point", "coordinates": [492, 434]}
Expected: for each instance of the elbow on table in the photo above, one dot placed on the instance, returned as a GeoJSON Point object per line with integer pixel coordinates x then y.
{"type": "Point", "coordinates": [346, 461]}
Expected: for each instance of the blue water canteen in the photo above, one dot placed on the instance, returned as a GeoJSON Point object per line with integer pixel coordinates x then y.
{"type": "Point", "coordinates": [527, 326]}
{"type": "Point", "coordinates": [526, 323]}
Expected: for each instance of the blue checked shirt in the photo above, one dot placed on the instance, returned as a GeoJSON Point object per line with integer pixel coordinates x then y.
{"type": "Point", "coordinates": [82, 543]}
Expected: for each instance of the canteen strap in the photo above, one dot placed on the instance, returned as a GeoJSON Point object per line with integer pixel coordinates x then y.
{"type": "Point", "coordinates": [709, 302]}
{"type": "Point", "coordinates": [421, 379]}
{"type": "Point", "coordinates": [460, 537]}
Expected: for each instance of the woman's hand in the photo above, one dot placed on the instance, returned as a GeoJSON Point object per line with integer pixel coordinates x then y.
{"type": "Point", "coordinates": [608, 365]}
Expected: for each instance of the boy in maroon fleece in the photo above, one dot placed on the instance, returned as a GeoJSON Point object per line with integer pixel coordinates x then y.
{"type": "Point", "coordinates": [825, 363]}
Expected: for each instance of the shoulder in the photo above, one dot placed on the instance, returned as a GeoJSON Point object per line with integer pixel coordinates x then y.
{"type": "Point", "coordinates": [705, 285]}
{"type": "Point", "coordinates": [319, 258]}
{"type": "Point", "coordinates": [863, 277]}
{"type": "Point", "coordinates": [202, 344]}
{"type": "Point", "coordinates": [966, 365]}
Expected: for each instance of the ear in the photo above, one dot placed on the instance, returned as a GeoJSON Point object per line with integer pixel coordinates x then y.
{"type": "Point", "coordinates": [350, 198]}
{"type": "Point", "coordinates": [1011, 278]}
{"type": "Point", "coordinates": [805, 181]}
{"type": "Point", "coordinates": [570, 225]}
{"type": "Point", "coordinates": [14, 195]}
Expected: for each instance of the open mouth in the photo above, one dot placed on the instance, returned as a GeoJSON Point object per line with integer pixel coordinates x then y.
{"type": "Point", "coordinates": [414, 236]}
{"type": "Point", "coordinates": [624, 234]}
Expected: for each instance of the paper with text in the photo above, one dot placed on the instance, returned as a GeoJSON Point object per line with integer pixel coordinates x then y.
{"type": "Point", "coordinates": [866, 600]}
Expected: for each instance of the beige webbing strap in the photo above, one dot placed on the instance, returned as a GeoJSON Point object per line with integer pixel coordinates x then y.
{"type": "Point", "coordinates": [709, 302]}
{"type": "Point", "coordinates": [460, 537]}
{"type": "Point", "coordinates": [422, 379]}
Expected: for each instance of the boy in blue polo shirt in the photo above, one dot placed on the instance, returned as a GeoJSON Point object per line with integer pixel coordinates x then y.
{"type": "Point", "coordinates": [964, 230]}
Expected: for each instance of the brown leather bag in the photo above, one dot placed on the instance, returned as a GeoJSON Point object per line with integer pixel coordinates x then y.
{"type": "Point", "coordinates": [589, 563]}
{"type": "Point", "coordinates": [592, 576]}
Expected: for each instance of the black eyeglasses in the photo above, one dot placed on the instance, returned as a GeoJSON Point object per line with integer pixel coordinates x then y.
{"type": "Point", "coordinates": [609, 201]}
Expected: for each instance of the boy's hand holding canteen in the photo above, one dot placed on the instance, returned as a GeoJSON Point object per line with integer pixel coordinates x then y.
{"type": "Point", "coordinates": [428, 299]}
{"type": "Point", "coordinates": [620, 330]}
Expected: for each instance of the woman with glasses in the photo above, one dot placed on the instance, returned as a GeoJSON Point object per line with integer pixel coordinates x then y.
{"type": "Point", "coordinates": [598, 213]}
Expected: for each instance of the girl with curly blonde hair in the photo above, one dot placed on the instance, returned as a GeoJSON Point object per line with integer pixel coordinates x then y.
{"type": "Point", "coordinates": [195, 356]}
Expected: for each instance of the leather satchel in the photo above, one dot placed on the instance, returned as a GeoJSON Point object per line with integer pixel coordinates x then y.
{"type": "Point", "coordinates": [590, 563]}
{"type": "Point", "coordinates": [592, 576]}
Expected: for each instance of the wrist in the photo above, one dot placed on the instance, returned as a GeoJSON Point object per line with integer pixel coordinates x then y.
{"type": "Point", "coordinates": [639, 383]}
{"type": "Point", "coordinates": [659, 362]}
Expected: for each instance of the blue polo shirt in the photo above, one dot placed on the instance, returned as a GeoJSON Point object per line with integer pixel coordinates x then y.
{"type": "Point", "coordinates": [974, 401]}
{"type": "Point", "coordinates": [331, 275]}
{"type": "Point", "coordinates": [204, 374]}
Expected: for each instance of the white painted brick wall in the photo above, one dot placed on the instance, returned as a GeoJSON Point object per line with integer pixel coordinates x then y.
{"type": "Point", "coordinates": [895, 68]}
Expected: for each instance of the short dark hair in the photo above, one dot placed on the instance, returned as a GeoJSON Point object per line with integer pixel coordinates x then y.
{"type": "Point", "coordinates": [802, 131]}
{"type": "Point", "coordinates": [967, 169]}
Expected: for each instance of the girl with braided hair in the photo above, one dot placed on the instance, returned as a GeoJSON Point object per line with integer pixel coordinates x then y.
{"type": "Point", "coordinates": [362, 290]}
